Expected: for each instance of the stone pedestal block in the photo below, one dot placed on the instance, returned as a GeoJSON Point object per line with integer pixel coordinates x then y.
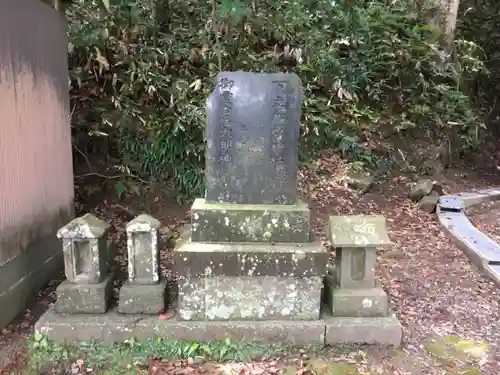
{"type": "Point", "coordinates": [142, 299]}
{"type": "Point", "coordinates": [194, 259]}
{"type": "Point", "coordinates": [226, 222]}
{"type": "Point", "coordinates": [250, 298]}
{"type": "Point", "coordinates": [378, 330]}
{"type": "Point", "coordinates": [368, 302]}
{"type": "Point", "coordinates": [249, 281]}
{"type": "Point", "coordinates": [84, 298]}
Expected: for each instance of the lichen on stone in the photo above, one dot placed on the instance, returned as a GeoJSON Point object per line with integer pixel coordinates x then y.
{"type": "Point", "coordinates": [250, 298]}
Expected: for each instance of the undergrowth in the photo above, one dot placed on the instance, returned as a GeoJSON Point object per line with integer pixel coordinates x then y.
{"type": "Point", "coordinates": [141, 74]}
{"type": "Point", "coordinates": [45, 353]}
{"type": "Point", "coordinates": [479, 23]}
{"type": "Point", "coordinates": [451, 354]}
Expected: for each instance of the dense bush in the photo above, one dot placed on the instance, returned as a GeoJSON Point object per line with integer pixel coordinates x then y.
{"type": "Point", "coordinates": [140, 75]}
{"type": "Point", "coordinates": [479, 22]}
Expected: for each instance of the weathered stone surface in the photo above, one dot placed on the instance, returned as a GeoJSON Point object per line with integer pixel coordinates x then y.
{"type": "Point", "coordinates": [355, 267]}
{"type": "Point", "coordinates": [468, 199]}
{"type": "Point", "coordinates": [142, 299]}
{"type": "Point", "coordinates": [252, 136]}
{"type": "Point", "coordinates": [84, 227]}
{"type": "Point", "coordinates": [378, 330]}
{"type": "Point", "coordinates": [358, 231]}
{"type": "Point", "coordinates": [112, 327]}
{"type": "Point", "coordinates": [429, 202]}
{"type": "Point", "coordinates": [489, 194]}
{"type": "Point", "coordinates": [250, 298]}
{"type": "Point", "coordinates": [480, 248]}
{"type": "Point", "coordinates": [368, 302]}
{"type": "Point", "coordinates": [425, 187]}
{"type": "Point", "coordinates": [193, 259]}
{"type": "Point", "coordinates": [191, 300]}
{"type": "Point", "coordinates": [212, 222]}
{"type": "Point", "coordinates": [449, 203]}
{"type": "Point", "coordinates": [86, 258]}
{"type": "Point", "coordinates": [359, 302]}
{"type": "Point", "coordinates": [84, 298]}
{"type": "Point", "coordinates": [142, 247]}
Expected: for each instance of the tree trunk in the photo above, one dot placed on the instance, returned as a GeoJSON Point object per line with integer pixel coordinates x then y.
{"type": "Point", "coordinates": [450, 9]}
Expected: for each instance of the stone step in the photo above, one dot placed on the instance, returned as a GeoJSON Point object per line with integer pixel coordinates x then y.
{"type": "Point", "coordinates": [113, 327]}
{"type": "Point", "coordinates": [193, 259]}
{"type": "Point", "coordinates": [226, 222]}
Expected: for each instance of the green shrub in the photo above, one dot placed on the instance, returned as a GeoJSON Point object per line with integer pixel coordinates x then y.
{"type": "Point", "coordinates": [479, 25]}
{"type": "Point", "coordinates": [146, 69]}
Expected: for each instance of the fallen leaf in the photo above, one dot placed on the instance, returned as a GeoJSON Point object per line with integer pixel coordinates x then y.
{"type": "Point", "coordinates": [165, 316]}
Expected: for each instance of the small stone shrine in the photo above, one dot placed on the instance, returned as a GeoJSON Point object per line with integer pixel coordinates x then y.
{"type": "Point", "coordinates": [144, 293]}
{"type": "Point", "coordinates": [88, 283]}
{"type": "Point", "coordinates": [249, 254]}
{"type": "Point", "coordinates": [351, 290]}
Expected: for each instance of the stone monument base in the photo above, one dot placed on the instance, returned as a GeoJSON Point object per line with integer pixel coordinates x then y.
{"type": "Point", "coordinates": [250, 298]}
{"type": "Point", "coordinates": [226, 222]}
{"type": "Point", "coordinates": [84, 298]}
{"type": "Point", "coordinates": [194, 259]}
{"type": "Point", "coordinates": [142, 298]}
{"type": "Point", "coordinates": [249, 281]}
{"type": "Point", "coordinates": [355, 302]}
{"type": "Point", "coordinates": [114, 327]}
{"type": "Point", "coordinates": [358, 302]}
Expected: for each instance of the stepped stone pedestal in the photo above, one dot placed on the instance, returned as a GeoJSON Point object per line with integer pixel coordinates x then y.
{"type": "Point", "coordinates": [249, 255]}
{"type": "Point", "coordinates": [249, 281]}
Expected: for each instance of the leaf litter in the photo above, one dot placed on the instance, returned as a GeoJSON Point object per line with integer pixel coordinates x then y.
{"type": "Point", "coordinates": [448, 308]}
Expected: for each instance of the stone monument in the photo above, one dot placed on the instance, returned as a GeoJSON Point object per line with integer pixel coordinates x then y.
{"type": "Point", "coordinates": [144, 293]}
{"type": "Point", "coordinates": [88, 283]}
{"type": "Point", "coordinates": [249, 253]}
{"type": "Point", "coordinates": [248, 267]}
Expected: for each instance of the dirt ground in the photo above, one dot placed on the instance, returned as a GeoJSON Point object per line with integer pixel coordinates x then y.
{"type": "Point", "coordinates": [444, 302]}
{"type": "Point", "coordinates": [486, 217]}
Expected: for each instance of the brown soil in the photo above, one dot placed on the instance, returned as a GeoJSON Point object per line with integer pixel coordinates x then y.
{"type": "Point", "coordinates": [486, 217]}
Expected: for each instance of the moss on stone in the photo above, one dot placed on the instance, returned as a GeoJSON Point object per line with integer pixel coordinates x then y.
{"type": "Point", "coordinates": [211, 222]}
{"type": "Point", "coordinates": [250, 298]}
{"type": "Point", "coordinates": [357, 231]}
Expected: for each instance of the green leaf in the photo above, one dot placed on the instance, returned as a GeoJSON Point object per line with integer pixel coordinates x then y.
{"type": "Point", "coordinates": [44, 343]}
{"type": "Point", "coordinates": [192, 349]}
{"type": "Point", "coordinates": [120, 189]}
{"type": "Point", "coordinates": [38, 336]}
{"type": "Point", "coordinates": [135, 188]}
